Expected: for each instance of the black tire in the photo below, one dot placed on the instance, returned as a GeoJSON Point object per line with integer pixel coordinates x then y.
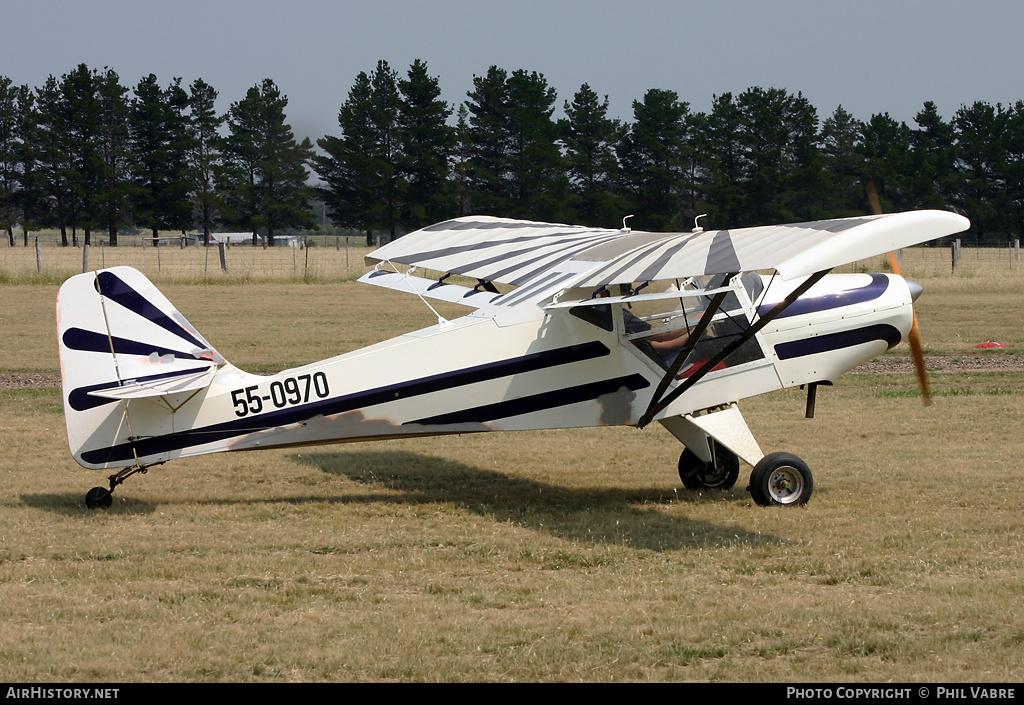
{"type": "Point", "coordinates": [781, 479]}
{"type": "Point", "coordinates": [698, 475]}
{"type": "Point", "coordinates": [99, 498]}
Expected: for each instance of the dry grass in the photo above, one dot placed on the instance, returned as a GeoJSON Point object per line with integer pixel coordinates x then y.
{"type": "Point", "coordinates": [548, 556]}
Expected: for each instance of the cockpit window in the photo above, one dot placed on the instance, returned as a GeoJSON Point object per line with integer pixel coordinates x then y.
{"type": "Point", "coordinates": [600, 316]}
{"type": "Point", "coordinates": [754, 286]}
{"type": "Point", "coordinates": [660, 328]}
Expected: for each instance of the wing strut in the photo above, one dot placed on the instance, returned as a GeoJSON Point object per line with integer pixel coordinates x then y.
{"type": "Point", "coordinates": [691, 343]}
{"type": "Point", "coordinates": [660, 400]}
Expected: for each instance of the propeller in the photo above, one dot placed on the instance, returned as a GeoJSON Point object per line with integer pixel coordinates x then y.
{"type": "Point", "coordinates": [916, 346]}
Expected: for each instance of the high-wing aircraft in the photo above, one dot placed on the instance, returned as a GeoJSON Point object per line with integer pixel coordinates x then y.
{"type": "Point", "coordinates": [571, 327]}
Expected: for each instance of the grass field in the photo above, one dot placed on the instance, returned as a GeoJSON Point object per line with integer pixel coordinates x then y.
{"type": "Point", "coordinates": [548, 556]}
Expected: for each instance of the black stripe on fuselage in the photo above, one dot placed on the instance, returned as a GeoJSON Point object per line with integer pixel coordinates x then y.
{"type": "Point", "coordinates": [536, 402]}
{"type": "Point", "coordinates": [837, 341]}
{"type": "Point", "coordinates": [349, 402]}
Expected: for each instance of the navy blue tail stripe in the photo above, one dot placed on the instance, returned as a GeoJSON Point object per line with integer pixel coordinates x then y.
{"type": "Point", "coordinates": [91, 341]}
{"type": "Point", "coordinates": [115, 289]}
{"type": "Point", "coordinates": [836, 341]}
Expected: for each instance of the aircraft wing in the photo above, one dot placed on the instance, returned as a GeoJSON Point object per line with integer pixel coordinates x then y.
{"type": "Point", "coordinates": [492, 249]}
{"type": "Point", "coordinates": [515, 252]}
{"type": "Point", "coordinates": [793, 250]}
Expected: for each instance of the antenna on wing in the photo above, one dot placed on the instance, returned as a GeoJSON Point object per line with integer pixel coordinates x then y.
{"type": "Point", "coordinates": [696, 227]}
{"type": "Point", "coordinates": [624, 226]}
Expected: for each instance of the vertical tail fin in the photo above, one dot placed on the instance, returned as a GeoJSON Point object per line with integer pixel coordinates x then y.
{"type": "Point", "coordinates": [121, 339]}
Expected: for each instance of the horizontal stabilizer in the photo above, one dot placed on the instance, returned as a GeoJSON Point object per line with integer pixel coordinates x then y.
{"type": "Point", "coordinates": [187, 382]}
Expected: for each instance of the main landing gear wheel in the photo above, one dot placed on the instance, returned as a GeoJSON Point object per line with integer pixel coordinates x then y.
{"type": "Point", "coordinates": [781, 479]}
{"type": "Point", "coordinates": [719, 475]}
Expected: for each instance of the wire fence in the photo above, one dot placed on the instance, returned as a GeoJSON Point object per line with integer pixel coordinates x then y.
{"type": "Point", "coordinates": [312, 258]}
{"type": "Point", "coordinates": [950, 260]}
{"type": "Point", "coordinates": [340, 258]}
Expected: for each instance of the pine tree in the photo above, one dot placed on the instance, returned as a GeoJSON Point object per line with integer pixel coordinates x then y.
{"type": "Point", "coordinates": [589, 137]}
{"type": "Point", "coordinates": [263, 173]}
{"type": "Point", "coordinates": [282, 172]}
{"type": "Point", "coordinates": [55, 157]}
{"type": "Point", "coordinates": [158, 140]}
{"type": "Point", "coordinates": [842, 167]}
{"type": "Point", "coordinates": [203, 152]}
{"type": "Point", "coordinates": [885, 146]}
{"type": "Point", "coordinates": [720, 159]}
{"type": "Point", "coordinates": [653, 155]}
{"type": "Point", "coordinates": [81, 123]}
{"type": "Point", "coordinates": [515, 166]}
{"type": "Point", "coordinates": [933, 159]}
{"type": "Point", "coordinates": [361, 170]}
{"type": "Point", "coordinates": [427, 142]}
{"type": "Point", "coordinates": [8, 156]}
{"type": "Point", "coordinates": [240, 156]}
{"type": "Point", "coordinates": [980, 192]}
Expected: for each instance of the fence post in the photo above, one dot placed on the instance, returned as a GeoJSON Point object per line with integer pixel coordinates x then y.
{"type": "Point", "coordinates": [223, 256]}
{"type": "Point", "coordinates": [39, 258]}
{"type": "Point", "coordinates": [85, 258]}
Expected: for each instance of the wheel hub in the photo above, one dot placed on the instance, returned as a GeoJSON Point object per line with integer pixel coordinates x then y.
{"type": "Point", "coordinates": [785, 485]}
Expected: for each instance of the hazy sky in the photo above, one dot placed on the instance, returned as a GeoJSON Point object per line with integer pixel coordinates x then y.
{"type": "Point", "coordinates": [870, 56]}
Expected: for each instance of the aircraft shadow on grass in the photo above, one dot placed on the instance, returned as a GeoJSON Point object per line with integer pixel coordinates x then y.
{"type": "Point", "coordinates": [637, 518]}
{"type": "Point", "coordinates": [616, 515]}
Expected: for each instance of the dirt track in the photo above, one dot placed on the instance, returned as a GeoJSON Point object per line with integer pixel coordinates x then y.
{"type": "Point", "coordinates": [27, 380]}
{"type": "Point", "coordinates": [938, 364]}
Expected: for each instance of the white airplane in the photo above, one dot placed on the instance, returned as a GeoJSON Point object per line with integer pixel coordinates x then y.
{"type": "Point", "coordinates": [592, 327]}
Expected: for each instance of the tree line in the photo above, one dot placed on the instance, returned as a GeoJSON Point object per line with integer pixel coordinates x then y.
{"type": "Point", "coordinates": [84, 153]}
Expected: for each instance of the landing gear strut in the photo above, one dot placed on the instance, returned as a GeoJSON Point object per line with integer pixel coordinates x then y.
{"type": "Point", "coordinates": [101, 497]}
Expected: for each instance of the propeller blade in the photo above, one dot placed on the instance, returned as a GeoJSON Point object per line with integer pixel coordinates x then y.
{"type": "Point", "coordinates": [914, 339]}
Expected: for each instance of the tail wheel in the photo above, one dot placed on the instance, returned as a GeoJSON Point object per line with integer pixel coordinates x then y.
{"type": "Point", "coordinates": [720, 474]}
{"type": "Point", "coordinates": [101, 497]}
{"type": "Point", "coordinates": [781, 479]}
{"type": "Point", "coordinates": [98, 497]}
